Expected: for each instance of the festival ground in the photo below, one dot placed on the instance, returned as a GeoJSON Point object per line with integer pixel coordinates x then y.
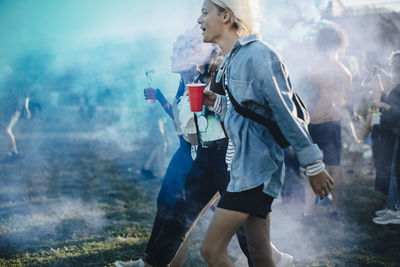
{"type": "Point", "coordinates": [76, 201]}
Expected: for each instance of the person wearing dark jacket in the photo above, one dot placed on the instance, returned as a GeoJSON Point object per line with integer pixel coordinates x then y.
{"type": "Point", "coordinates": [388, 169]}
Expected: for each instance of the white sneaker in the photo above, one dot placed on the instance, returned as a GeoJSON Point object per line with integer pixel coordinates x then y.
{"type": "Point", "coordinates": [389, 217]}
{"type": "Point", "coordinates": [380, 213]}
{"type": "Point", "coordinates": [285, 261]}
{"type": "Point", "coordinates": [138, 263]}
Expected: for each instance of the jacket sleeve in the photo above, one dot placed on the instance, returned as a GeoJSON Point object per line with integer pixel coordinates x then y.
{"type": "Point", "coordinates": [277, 91]}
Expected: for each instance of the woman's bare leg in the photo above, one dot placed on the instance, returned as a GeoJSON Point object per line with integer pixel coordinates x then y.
{"type": "Point", "coordinates": [258, 238]}
{"type": "Point", "coordinates": [223, 226]}
{"type": "Point", "coordinates": [336, 172]}
{"type": "Point", "coordinates": [309, 199]}
{"type": "Point", "coordinates": [12, 143]}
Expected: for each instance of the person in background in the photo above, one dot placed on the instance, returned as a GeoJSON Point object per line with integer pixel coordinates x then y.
{"type": "Point", "coordinates": [188, 53]}
{"type": "Point", "coordinates": [365, 98]}
{"type": "Point", "coordinates": [155, 163]}
{"type": "Point", "coordinates": [332, 83]}
{"type": "Point", "coordinates": [255, 76]}
{"type": "Point", "coordinates": [388, 167]}
{"type": "Point", "coordinates": [14, 101]}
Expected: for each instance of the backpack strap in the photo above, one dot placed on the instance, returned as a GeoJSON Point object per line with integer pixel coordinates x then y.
{"type": "Point", "coordinates": [270, 124]}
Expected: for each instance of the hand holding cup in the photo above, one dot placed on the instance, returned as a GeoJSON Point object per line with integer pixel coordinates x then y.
{"type": "Point", "coordinates": [209, 98]}
{"type": "Point", "coordinates": [150, 95]}
{"type": "Point", "coordinates": [196, 96]}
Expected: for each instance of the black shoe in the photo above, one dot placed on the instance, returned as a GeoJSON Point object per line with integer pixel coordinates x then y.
{"type": "Point", "coordinates": [10, 158]}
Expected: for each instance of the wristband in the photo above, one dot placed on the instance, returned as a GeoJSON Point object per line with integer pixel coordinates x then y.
{"type": "Point", "coordinates": [315, 168]}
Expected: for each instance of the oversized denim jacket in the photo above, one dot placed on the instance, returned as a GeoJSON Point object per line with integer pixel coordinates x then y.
{"type": "Point", "coordinates": [257, 79]}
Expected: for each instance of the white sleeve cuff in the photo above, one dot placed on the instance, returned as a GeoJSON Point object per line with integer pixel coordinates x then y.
{"type": "Point", "coordinates": [217, 107]}
{"type": "Point", "coordinates": [315, 168]}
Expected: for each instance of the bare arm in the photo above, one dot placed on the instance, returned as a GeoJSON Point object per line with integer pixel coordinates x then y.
{"type": "Point", "coordinates": [161, 99]}
{"type": "Point", "coordinates": [28, 112]}
{"type": "Point", "coordinates": [382, 105]}
{"type": "Point", "coordinates": [344, 113]}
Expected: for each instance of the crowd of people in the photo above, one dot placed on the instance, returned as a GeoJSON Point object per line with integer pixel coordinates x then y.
{"type": "Point", "coordinates": [386, 148]}
{"type": "Point", "coordinates": [231, 154]}
{"type": "Point", "coordinates": [364, 99]}
{"type": "Point", "coordinates": [238, 158]}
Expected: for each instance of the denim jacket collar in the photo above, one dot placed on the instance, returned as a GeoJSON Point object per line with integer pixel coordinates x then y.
{"type": "Point", "coordinates": [239, 43]}
{"type": "Point", "coordinates": [246, 40]}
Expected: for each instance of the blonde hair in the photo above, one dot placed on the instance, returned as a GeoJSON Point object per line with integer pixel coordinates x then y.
{"type": "Point", "coordinates": [245, 15]}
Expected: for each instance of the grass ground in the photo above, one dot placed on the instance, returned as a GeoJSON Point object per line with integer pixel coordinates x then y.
{"type": "Point", "coordinates": [79, 202]}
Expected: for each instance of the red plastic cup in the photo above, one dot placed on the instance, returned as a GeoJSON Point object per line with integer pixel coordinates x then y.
{"type": "Point", "coordinates": [196, 96]}
{"type": "Point", "coordinates": [150, 94]}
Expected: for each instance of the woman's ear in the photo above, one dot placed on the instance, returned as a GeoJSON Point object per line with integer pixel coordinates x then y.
{"type": "Point", "coordinates": [227, 16]}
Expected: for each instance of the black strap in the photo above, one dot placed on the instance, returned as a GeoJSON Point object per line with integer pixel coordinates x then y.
{"type": "Point", "coordinates": [197, 127]}
{"type": "Point", "coordinates": [270, 124]}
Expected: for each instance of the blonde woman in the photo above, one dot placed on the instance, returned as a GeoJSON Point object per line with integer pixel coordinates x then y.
{"type": "Point", "coordinates": [255, 76]}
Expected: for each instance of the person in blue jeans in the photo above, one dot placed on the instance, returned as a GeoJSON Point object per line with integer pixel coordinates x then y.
{"type": "Point", "coordinates": [188, 53]}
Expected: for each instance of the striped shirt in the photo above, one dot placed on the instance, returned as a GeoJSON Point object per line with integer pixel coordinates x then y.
{"type": "Point", "coordinates": [217, 109]}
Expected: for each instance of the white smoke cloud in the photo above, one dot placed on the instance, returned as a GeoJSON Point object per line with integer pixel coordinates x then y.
{"type": "Point", "coordinates": [291, 21]}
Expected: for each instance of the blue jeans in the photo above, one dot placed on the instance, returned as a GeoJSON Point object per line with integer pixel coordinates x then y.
{"type": "Point", "coordinates": [172, 186]}
{"type": "Point", "coordinates": [207, 176]}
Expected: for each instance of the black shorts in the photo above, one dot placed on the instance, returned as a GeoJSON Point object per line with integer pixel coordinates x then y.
{"type": "Point", "coordinates": [253, 201]}
{"type": "Point", "coordinates": [328, 137]}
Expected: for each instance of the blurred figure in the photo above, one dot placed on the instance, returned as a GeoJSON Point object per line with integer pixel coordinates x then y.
{"type": "Point", "coordinates": [14, 102]}
{"type": "Point", "coordinates": [189, 56]}
{"type": "Point", "coordinates": [155, 164]}
{"type": "Point", "coordinates": [332, 82]}
{"type": "Point", "coordinates": [388, 167]}
{"type": "Point", "coordinates": [367, 96]}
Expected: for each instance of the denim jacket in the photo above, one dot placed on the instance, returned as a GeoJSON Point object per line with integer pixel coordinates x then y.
{"type": "Point", "coordinates": [256, 77]}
